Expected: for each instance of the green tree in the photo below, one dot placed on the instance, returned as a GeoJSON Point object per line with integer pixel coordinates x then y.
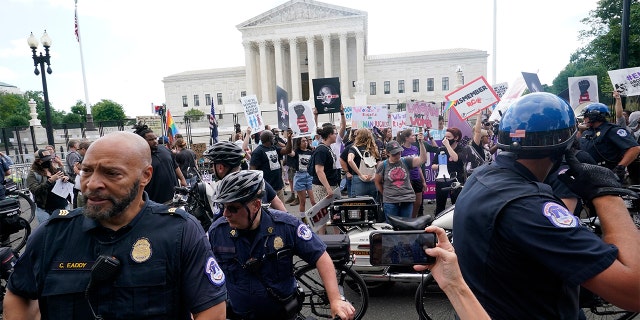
{"type": "Point", "coordinates": [194, 114]}
{"type": "Point", "coordinates": [602, 51]}
{"type": "Point", "coordinates": [106, 110]}
{"type": "Point", "coordinates": [13, 106]}
{"type": "Point", "coordinates": [16, 121]}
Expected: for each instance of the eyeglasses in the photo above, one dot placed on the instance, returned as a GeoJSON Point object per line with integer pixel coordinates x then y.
{"type": "Point", "coordinates": [231, 209]}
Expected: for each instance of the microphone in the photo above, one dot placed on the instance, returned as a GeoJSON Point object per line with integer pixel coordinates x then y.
{"type": "Point", "coordinates": [105, 269]}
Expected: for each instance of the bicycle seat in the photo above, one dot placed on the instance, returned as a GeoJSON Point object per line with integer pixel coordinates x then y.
{"type": "Point", "coordinates": [402, 223]}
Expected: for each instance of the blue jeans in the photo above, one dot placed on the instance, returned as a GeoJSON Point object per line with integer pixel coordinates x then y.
{"type": "Point", "coordinates": [42, 215]}
{"type": "Point", "coordinates": [402, 209]}
{"type": "Point", "coordinates": [362, 188]}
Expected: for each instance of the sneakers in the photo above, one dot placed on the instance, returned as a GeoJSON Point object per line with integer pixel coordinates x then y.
{"type": "Point", "coordinates": [290, 199]}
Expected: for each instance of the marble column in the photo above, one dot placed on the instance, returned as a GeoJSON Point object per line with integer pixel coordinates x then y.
{"type": "Point", "coordinates": [294, 95]}
{"type": "Point", "coordinates": [248, 61]}
{"type": "Point", "coordinates": [264, 81]}
{"type": "Point", "coordinates": [344, 67]}
{"type": "Point", "coordinates": [360, 56]}
{"type": "Point", "coordinates": [326, 48]}
{"type": "Point", "coordinates": [277, 47]}
{"type": "Point", "coordinates": [311, 56]}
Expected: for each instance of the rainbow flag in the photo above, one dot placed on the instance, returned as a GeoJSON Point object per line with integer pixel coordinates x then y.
{"type": "Point", "coordinates": [449, 105]}
{"type": "Point", "coordinates": [172, 129]}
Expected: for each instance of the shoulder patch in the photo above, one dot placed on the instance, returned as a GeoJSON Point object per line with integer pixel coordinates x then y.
{"type": "Point", "coordinates": [559, 216]}
{"type": "Point", "coordinates": [621, 132]}
{"type": "Point", "coordinates": [304, 232]}
{"type": "Point", "coordinates": [214, 272]}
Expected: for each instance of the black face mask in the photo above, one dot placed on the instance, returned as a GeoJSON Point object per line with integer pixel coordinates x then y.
{"type": "Point", "coordinates": [46, 165]}
{"type": "Point", "coordinates": [451, 141]}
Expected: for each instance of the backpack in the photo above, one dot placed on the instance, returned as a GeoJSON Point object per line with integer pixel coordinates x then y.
{"type": "Point", "coordinates": [367, 162]}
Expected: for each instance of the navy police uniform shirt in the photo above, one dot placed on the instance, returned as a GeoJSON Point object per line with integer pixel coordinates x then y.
{"type": "Point", "coordinates": [167, 269]}
{"type": "Point", "coordinates": [520, 250]}
{"type": "Point", "coordinates": [252, 266]}
{"type": "Point", "coordinates": [607, 144]}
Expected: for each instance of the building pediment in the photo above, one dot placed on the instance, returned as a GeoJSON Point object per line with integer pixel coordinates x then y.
{"type": "Point", "coordinates": [300, 11]}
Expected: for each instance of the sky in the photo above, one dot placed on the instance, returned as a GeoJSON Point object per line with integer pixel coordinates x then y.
{"type": "Point", "coordinates": [130, 46]}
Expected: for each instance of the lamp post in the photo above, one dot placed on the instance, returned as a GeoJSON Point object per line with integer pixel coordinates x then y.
{"type": "Point", "coordinates": [460, 77]}
{"type": "Point", "coordinates": [40, 60]}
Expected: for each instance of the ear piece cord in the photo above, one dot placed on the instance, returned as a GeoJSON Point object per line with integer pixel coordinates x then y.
{"type": "Point", "coordinates": [86, 296]}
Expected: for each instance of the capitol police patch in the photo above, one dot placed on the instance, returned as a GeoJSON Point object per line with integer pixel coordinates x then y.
{"type": "Point", "coordinates": [214, 272]}
{"type": "Point", "coordinates": [559, 215]}
{"type": "Point", "coordinates": [304, 232]}
{"type": "Point", "coordinates": [622, 132]}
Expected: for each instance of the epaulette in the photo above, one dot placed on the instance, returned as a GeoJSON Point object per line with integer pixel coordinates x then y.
{"type": "Point", "coordinates": [284, 217]}
{"type": "Point", "coordinates": [66, 214]}
{"type": "Point", "coordinates": [162, 209]}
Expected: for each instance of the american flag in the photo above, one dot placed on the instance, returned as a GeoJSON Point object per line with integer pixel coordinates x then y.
{"type": "Point", "coordinates": [213, 123]}
{"type": "Point", "coordinates": [76, 25]}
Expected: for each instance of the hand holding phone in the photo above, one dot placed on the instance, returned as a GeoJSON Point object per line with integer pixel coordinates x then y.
{"type": "Point", "coordinates": [401, 248]}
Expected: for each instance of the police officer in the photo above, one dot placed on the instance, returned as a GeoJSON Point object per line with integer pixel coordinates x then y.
{"type": "Point", "coordinates": [610, 145]}
{"type": "Point", "coordinates": [150, 261]}
{"type": "Point", "coordinates": [226, 158]}
{"type": "Point", "coordinates": [255, 248]}
{"type": "Point", "coordinates": [520, 250]}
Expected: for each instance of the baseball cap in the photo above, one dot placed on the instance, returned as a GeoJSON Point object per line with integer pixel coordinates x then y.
{"type": "Point", "coordinates": [393, 147]}
{"type": "Point", "coordinates": [42, 155]}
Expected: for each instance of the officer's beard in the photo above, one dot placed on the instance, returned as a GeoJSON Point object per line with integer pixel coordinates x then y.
{"type": "Point", "coordinates": [118, 207]}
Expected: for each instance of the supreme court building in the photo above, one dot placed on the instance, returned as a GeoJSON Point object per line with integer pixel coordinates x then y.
{"type": "Point", "coordinates": [302, 40]}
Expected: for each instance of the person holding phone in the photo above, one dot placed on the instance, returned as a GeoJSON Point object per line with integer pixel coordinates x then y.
{"type": "Point", "coordinates": [447, 273]}
{"type": "Point", "coordinates": [41, 179]}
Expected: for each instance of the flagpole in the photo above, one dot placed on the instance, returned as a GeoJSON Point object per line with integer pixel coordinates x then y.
{"type": "Point", "coordinates": [90, 125]}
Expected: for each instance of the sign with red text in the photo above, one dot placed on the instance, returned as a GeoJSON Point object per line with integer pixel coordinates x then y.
{"type": "Point", "coordinates": [472, 98]}
{"type": "Point", "coordinates": [422, 114]}
{"type": "Point", "coordinates": [369, 117]}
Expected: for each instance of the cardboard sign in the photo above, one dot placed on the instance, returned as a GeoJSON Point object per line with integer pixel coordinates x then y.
{"type": "Point", "coordinates": [422, 114]}
{"type": "Point", "coordinates": [348, 114]}
{"type": "Point", "coordinates": [301, 119]}
{"type": "Point", "coordinates": [327, 95]}
{"type": "Point", "coordinates": [370, 116]}
{"type": "Point", "coordinates": [626, 81]}
{"type": "Point", "coordinates": [532, 81]}
{"type": "Point", "coordinates": [252, 112]}
{"type": "Point", "coordinates": [501, 88]}
{"type": "Point", "coordinates": [398, 122]}
{"type": "Point", "coordinates": [472, 98]}
{"type": "Point", "coordinates": [582, 89]}
{"type": "Point", "coordinates": [283, 108]}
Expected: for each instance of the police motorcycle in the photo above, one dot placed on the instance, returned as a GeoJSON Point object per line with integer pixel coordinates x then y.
{"type": "Point", "coordinates": [196, 200]}
{"type": "Point", "coordinates": [360, 216]}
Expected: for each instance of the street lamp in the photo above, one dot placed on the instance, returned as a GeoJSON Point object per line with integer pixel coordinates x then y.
{"type": "Point", "coordinates": [41, 60]}
{"type": "Point", "coordinates": [460, 76]}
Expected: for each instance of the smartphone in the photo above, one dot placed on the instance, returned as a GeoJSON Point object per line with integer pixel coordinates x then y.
{"type": "Point", "coordinates": [401, 248]}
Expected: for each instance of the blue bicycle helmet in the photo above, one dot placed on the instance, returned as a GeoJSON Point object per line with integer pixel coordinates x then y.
{"type": "Point", "coordinates": [596, 112]}
{"type": "Point", "coordinates": [537, 125]}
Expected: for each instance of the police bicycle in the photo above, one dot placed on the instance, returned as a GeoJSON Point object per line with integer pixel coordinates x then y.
{"type": "Point", "coordinates": [593, 306]}
{"type": "Point", "coordinates": [314, 298]}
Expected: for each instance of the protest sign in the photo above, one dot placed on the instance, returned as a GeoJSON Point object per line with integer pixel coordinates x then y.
{"type": "Point", "coordinates": [422, 114]}
{"type": "Point", "coordinates": [472, 98]}
{"type": "Point", "coordinates": [301, 119]}
{"type": "Point", "coordinates": [327, 95]}
{"type": "Point", "coordinates": [283, 108]}
{"type": "Point", "coordinates": [501, 88]}
{"type": "Point", "coordinates": [582, 89]}
{"type": "Point", "coordinates": [514, 91]}
{"type": "Point", "coordinates": [369, 117]}
{"type": "Point", "coordinates": [398, 122]}
{"type": "Point", "coordinates": [532, 81]}
{"type": "Point", "coordinates": [252, 112]}
{"type": "Point", "coordinates": [626, 81]}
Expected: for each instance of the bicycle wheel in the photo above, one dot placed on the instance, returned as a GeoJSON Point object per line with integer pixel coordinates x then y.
{"type": "Point", "coordinates": [316, 301]}
{"type": "Point", "coordinates": [27, 206]}
{"type": "Point", "coordinates": [431, 302]}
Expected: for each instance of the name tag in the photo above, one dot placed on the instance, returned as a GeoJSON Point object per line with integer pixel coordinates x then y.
{"type": "Point", "coordinates": [72, 265]}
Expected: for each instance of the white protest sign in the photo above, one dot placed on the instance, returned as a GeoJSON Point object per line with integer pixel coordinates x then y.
{"type": "Point", "coordinates": [369, 117]}
{"type": "Point", "coordinates": [626, 81]}
{"type": "Point", "coordinates": [582, 89]}
{"type": "Point", "coordinates": [348, 112]}
{"type": "Point", "coordinates": [501, 88]}
{"type": "Point", "coordinates": [422, 114]}
{"type": "Point", "coordinates": [301, 119]}
{"type": "Point", "coordinates": [398, 122]}
{"type": "Point", "coordinates": [514, 92]}
{"type": "Point", "coordinates": [472, 98]}
{"type": "Point", "coordinates": [252, 112]}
